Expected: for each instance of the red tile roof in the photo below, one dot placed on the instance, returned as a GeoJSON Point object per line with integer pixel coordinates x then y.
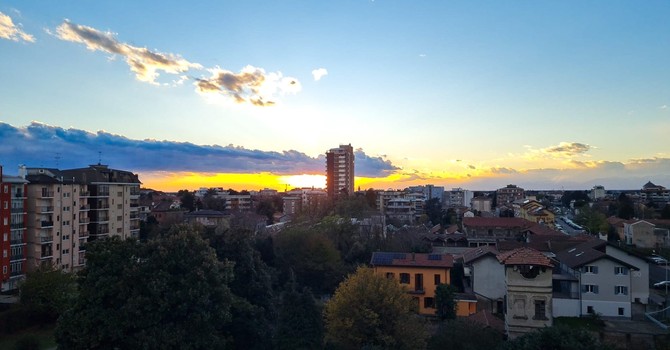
{"type": "Point", "coordinates": [524, 256]}
{"type": "Point", "coordinates": [493, 222]}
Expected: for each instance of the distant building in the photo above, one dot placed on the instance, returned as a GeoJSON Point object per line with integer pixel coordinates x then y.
{"type": "Point", "coordinates": [404, 206]}
{"type": "Point", "coordinates": [597, 192]}
{"type": "Point", "coordinates": [429, 191]}
{"type": "Point", "coordinates": [509, 194]}
{"type": "Point", "coordinates": [481, 204]}
{"type": "Point", "coordinates": [13, 231]}
{"type": "Point", "coordinates": [656, 194]}
{"type": "Point", "coordinates": [457, 197]}
{"type": "Point", "coordinates": [340, 171]}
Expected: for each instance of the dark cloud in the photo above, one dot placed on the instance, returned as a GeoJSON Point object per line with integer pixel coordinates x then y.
{"type": "Point", "coordinates": [251, 85]}
{"type": "Point", "coordinates": [38, 145]}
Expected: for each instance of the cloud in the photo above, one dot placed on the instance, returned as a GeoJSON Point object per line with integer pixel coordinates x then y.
{"type": "Point", "coordinates": [11, 31]}
{"type": "Point", "coordinates": [251, 85]}
{"type": "Point", "coordinates": [663, 107]}
{"type": "Point", "coordinates": [503, 170]}
{"type": "Point", "coordinates": [143, 62]}
{"type": "Point", "coordinates": [319, 73]}
{"type": "Point", "coordinates": [37, 145]}
{"type": "Point", "coordinates": [567, 149]}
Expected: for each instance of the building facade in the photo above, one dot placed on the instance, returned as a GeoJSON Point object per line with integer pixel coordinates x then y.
{"type": "Point", "coordinates": [509, 194]}
{"type": "Point", "coordinates": [340, 171]}
{"type": "Point", "coordinates": [12, 230]}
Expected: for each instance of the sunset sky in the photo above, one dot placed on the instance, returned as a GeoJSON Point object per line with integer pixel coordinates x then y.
{"type": "Point", "coordinates": [251, 94]}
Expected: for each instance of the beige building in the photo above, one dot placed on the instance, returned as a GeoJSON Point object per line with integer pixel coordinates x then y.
{"type": "Point", "coordinates": [67, 208]}
{"type": "Point", "coordinates": [340, 171]}
{"type": "Point", "coordinates": [509, 194]}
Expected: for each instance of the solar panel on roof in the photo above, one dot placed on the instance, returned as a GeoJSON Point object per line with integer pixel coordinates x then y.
{"type": "Point", "coordinates": [435, 257]}
{"type": "Point", "coordinates": [399, 256]}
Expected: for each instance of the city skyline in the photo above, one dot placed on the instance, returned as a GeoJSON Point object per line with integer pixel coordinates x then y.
{"type": "Point", "coordinates": [542, 95]}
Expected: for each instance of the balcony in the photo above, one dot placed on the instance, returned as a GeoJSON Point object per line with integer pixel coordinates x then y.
{"type": "Point", "coordinates": [84, 220]}
{"type": "Point", "coordinates": [85, 194]}
{"type": "Point", "coordinates": [134, 205]}
{"type": "Point", "coordinates": [17, 257]}
{"type": "Point", "coordinates": [102, 231]}
{"type": "Point", "coordinates": [19, 226]}
{"type": "Point", "coordinates": [46, 224]}
{"type": "Point", "coordinates": [45, 209]}
{"type": "Point", "coordinates": [18, 195]}
{"type": "Point", "coordinates": [83, 234]}
{"type": "Point", "coordinates": [46, 194]}
{"type": "Point", "coordinates": [85, 208]}
{"type": "Point", "coordinates": [46, 239]}
{"type": "Point", "coordinates": [16, 273]}
{"type": "Point", "coordinates": [16, 241]}
{"type": "Point", "coordinates": [18, 210]}
{"type": "Point", "coordinates": [47, 255]}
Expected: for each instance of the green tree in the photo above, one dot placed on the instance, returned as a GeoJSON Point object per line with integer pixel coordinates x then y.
{"type": "Point", "coordinates": [445, 302]}
{"type": "Point", "coordinates": [464, 335]}
{"type": "Point", "coordinates": [556, 338]}
{"type": "Point", "coordinates": [625, 207]}
{"type": "Point", "coordinates": [592, 219]}
{"type": "Point", "coordinates": [164, 294]}
{"type": "Point", "coordinates": [311, 256]}
{"type": "Point", "coordinates": [187, 199]}
{"type": "Point", "coordinates": [300, 325]}
{"type": "Point", "coordinates": [48, 292]}
{"type": "Point", "coordinates": [373, 311]}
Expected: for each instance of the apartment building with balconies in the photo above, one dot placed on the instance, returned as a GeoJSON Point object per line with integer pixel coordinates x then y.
{"type": "Point", "coordinates": [12, 231]}
{"type": "Point", "coordinates": [340, 171]}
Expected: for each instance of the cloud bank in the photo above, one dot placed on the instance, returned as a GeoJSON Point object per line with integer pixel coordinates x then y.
{"type": "Point", "coordinates": [319, 73]}
{"type": "Point", "coordinates": [11, 31]}
{"type": "Point", "coordinates": [38, 145]}
{"type": "Point", "coordinates": [251, 85]}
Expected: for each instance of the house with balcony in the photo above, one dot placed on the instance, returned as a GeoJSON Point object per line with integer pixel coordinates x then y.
{"type": "Point", "coordinates": [420, 274]}
{"type": "Point", "coordinates": [605, 280]}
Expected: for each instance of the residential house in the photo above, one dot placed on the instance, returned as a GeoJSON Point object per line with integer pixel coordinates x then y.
{"type": "Point", "coordinates": [528, 287]}
{"type": "Point", "coordinates": [481, 204]}
{"type": "Point", "coordinates": [486, 276]}
{"type": "Point", "coordinates": [420, 274]}
{"type": "Point", "coordinates": [644, 234]}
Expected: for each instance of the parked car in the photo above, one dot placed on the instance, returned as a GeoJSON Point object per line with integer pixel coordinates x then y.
{"type": "Point", "coordinates": [662, 284]}
{"type": "Point", "coordinates": [658, 260]}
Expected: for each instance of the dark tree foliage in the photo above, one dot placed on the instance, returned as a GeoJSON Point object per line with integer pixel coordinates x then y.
{"type": "Point", "coordinates": [48, 292]}
{"type": "Point", "coordinates": [164, 294]}
{"type": "Point", "coordinates": [352, 207]}
{"type": "Point", "coordinates": [445, 303]}
{"type": "Point", "coordinates": [311, 256]}
{"type": "Point", "coordinates": [371, 198]}
{"type": "Point", "coordinates": [253, 312]}
{"type": "Point", "coordinates": [433, 209]}
{"type": "Point", "coordinates": [556, 338]}
{"type": "Point", "coordinates": [626, 208]}
{"type": "Point", "coordinates": [665, 213]}
{"type": "Point", "coordinates": [300, 325]}
{"type": "Point", "coordinates": [187, 199]}
{"type": "Point", "coordinates": [268, 207]}
{"type": "Point", "coordinates": [464, 335]}
{"type": "Point", "coordinates": [580, 198]}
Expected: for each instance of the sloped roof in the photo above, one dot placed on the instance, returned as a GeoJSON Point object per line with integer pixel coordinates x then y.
{"type": "Point", "coordinates": [487, 319]}
{"type": "Point", "coordinates": [479, 252]}
{"type": "Point", "coordinates": [524, 256]}
{"type": "Point", "coordinates": [411, 259]}
{"type": "Point", "coordinates": [495, 222]}
{"type": "Point", "coordinates": [586, 253]}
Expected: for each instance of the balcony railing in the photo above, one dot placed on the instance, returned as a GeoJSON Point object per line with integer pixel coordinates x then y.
{"type": "Point", "coordinates": [19, 226]}
{"type": "Point", "coordinates": [85, 207]}
{"type": "Point", "coordinates": [16, 273]}
{"type": "Point", "coordinates": [46, 209]}
{"type": "Point", "coordinates": [83, 234]}
{"type": "Point", "coordinates": [17, 257]}
{"type": "Point", "coordinates": [84, 194]}
{"type": "Point", "coordinates": [16, 241]}
{"type": "Point", "coordinates": [84, 220]}
{"type": "Point", "coordinates": [47, 255]}
{"type": "Point", "coordinates": [19, 195]}
{"type": "Point", "coordinates": [46, 194]}
{"type": "Point", "coordinates": [46, 224]}
{"type": "Point", "coordinates": [134, 205]}
{"type": "Point", "coordinates": [46, 239]}
{"type": "Point", "coordinates": [102, 231]}
{"type": "Point", "coordinates": [18, 210]}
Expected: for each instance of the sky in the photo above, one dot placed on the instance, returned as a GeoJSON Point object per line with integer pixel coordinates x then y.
{"type": "Point", "coordinates": [251, 94]}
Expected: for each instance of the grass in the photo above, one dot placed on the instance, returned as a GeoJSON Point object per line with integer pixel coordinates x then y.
{"type": "Point", "coordinates": [45, 336]}
{"type": "Point", "coordinates": [587, 323]}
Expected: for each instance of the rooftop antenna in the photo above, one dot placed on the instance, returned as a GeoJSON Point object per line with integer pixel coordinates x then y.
{"type": "Point", "coordinates": [57, 159]}
{"type": "Point", "coordinates": [99, 157]}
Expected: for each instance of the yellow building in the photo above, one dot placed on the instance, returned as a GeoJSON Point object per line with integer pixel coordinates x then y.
{"type": "Point", "coordinates": [420, 274]}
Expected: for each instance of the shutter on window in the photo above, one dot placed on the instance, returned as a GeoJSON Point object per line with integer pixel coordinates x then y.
{"type": "Point", "coordinates": [625, 270]}
{"type": "Point", "coordinates": [595, 269]}
{"type": "Point", "coordinates": [595, 289]}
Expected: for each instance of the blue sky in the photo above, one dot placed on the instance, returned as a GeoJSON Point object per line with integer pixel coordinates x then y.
{"type": "Point", "coordinates": [475, 94]}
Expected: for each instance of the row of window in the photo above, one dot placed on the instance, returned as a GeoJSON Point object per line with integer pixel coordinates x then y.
{"type": "Point", "coordinates": [618, 270]}
{"type": "Point", "coordinates": [592, 288]}
{"type": "Point", "coordinates": [405, 278]}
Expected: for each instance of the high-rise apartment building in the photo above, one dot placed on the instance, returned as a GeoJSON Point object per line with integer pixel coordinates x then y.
{"type": "Point", "coordinates": [67, 208]}
{"type": "Point", "coordinates": [12, 231]}
{"type": "Point", "coordinates": [340, 171]}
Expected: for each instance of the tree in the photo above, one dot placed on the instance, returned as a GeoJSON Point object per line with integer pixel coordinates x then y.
{"type": "Point", "coordinates": [164, 294]}
{"type": "Point", "coordinates": [368, 310]}
{"type": "Point", "coordinates": [48, 292]}
{"type": "Point", "coordinates": [444, 302]}
{"type": "Point", "coordinates": [300, 325]}
{"type": "Point", "coordinates": [626, 209]}
{"type": "Point", "coordinates": [187, 199]}
{"type": "Point", "coordinates": [311, 256]}
{"type": "Point", "coordinates": [556, 338]}
{"type": "Point", "coordinates": [665, 213]}
{"type": "Point", "coordinates": [464, 335]}
{"type": "Point", "coordinates": [591, 219]}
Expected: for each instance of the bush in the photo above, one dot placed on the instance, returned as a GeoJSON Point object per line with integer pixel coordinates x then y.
{"type": "Point", "coordinates": [27, 343]}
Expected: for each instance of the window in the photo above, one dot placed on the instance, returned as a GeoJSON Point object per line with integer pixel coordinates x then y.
{"type": "Point", "coordinates": [404, 278]}
{"type": "Point", "coordinates": [4, 270]}
{"type": "Point", "coordinates": [6, 189]}
{"type": "Point", "coordinates": [590, 288]}
{"type": "Point", "coordinates": [540, 309]}
{"type": "Point", "coordinates": [119, 194]}
{"type": "Point", "coordinates": [621, 310]}
{"type": "Point", "coordinates": [589, 310]}
{"type": "Point", "coordinates": [66, 223]}
{"type": "Point", "coordinates": [590, 269]}
{"type": "Point", "coordinates": [390, 275]}
{"type": "Point", "coordinates": [119, 206]}
{"type": "Point", "coordinates": [66, 237]}
{"type": "Point", "coordinates": [620, 290]}
{"type": "Point", "coordinates": [438, 279]}
{"type": "Point", "coordinates": [119, 218]}
{"type": "Point", "coordinates": [4, 237]}
{"type": "Point", "coordinates": [66, 208]}
{"type": "Point", "coordinates": [620, 270]}
{"type": "Point", "coordinates": [6, 205]}
{"type": "Point", "coordinates": [4, 253]}
{"type": "Point", "coordinates": [66, 194]}
{"type": "Point", "coordinates": [429, 303]}
{"type": "Point", "coordinates": [418, 282]}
